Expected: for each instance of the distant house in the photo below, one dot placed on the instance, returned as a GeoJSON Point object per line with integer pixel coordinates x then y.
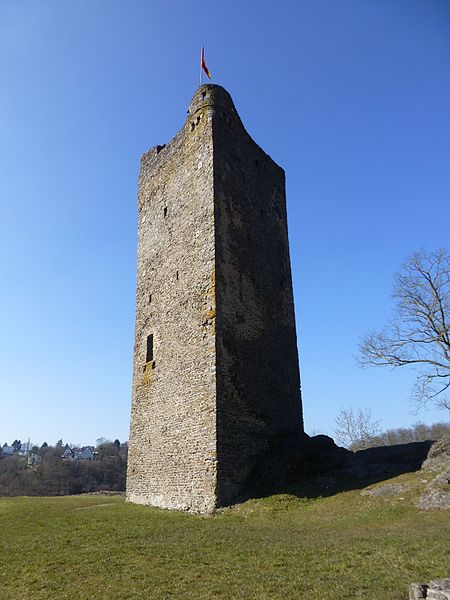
{"type": "Point", "coordinates": [84, 453]}
{"type": "Point", "coordinates": [67, 452]}
{"type": "Point", "coordinates": [33, 460]}
{"type": "Point", "coordinates": [7, 450]}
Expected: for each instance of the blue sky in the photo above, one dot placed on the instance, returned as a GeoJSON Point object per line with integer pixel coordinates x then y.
{"type": "Point", "coordinates": [352, 98]}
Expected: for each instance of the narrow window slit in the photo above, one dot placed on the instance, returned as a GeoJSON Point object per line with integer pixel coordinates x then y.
{"type": "Point", "coordinates": [165, 211]}
{"type": "Point", "coordinates": [149, 355]}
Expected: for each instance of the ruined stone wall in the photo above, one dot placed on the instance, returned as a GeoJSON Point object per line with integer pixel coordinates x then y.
{"type": "Point", "coordinates": [258, 383]}
{"type": "Point", "coordinates": [172, 460]}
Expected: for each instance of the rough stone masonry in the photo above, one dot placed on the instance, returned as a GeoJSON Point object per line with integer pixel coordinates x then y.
{"type": "Point", "coordinates": [216, 373]}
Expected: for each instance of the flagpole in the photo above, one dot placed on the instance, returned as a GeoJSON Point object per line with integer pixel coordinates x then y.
{"type": "Point", "coordinates": [201, 74]}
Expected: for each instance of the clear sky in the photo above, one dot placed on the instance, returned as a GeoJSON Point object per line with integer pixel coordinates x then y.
{"type": "Point", "coordinates": [352, 98]}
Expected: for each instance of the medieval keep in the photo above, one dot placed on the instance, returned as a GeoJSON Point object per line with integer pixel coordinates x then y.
{"type": "Point", "coordinates": [216, 371]}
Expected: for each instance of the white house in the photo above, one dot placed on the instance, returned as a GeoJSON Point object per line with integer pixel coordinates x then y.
{"type": "Point", "coordinates": [67, 452]}
{"type": "Point", "coordinates": [84, 453]}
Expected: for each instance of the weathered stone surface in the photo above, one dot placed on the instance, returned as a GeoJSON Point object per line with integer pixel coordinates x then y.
{"type": "Point", "coordinates": [390, 489]}
{"type": "Point", "coordinates": [443, 479]}
{"type": "Point", "coordinates": [435, 590]}
{"type": "Point", "coordinates": [434, 499]}
{"type": "Point", "coordinates": [437, 496]}
{"type": "Point", "coordinates": [215, 360]}
{"type": "Point", "coordinates": [437, 595]}
{"type": "Point", "coordinates": [438, 458]}
{"type": "Point", "coordinates": [417, 591]}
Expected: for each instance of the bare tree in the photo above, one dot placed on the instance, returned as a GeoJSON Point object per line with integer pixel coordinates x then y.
{"type": "Point", "coordinates": [355, 429]}
{"type": "Point", "coordinates": [358, 431]}
{"type": "Point", "coordinates": [418, 335]}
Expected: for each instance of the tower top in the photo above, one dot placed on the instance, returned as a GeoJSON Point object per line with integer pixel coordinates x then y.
{"type": "Point", "coordinates": [213, 96]}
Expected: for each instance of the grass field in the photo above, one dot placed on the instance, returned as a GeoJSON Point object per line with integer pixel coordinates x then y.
{"type": "Point", "coordinates": [333, 548]}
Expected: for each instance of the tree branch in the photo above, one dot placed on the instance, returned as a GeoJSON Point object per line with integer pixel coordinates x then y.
{"type": "Point", "coordinates": [418, 335]}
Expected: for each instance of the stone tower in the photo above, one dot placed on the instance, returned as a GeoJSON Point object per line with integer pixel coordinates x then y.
{"type": "Point", "coordinates": [215, 357]}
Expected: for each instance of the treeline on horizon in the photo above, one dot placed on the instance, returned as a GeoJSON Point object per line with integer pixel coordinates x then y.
{"type": "Point", "coordinates": [55, 476]}
{"type": "Point", "coordinates": [356, 430]}
{"type": "Point", "coordinates": [418, 432]}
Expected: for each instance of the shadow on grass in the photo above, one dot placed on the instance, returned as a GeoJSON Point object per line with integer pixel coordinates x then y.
{"type": "Point", "coordinates": [322, 486]}
{"type": "Point", "coordinates": [316, 467]}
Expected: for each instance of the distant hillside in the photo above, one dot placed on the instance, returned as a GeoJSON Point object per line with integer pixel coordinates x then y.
{"type": "Point", "coordinates": [47, 473]}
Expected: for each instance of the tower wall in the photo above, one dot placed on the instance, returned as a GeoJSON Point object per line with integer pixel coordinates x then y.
{"type": "Point", "coordinates": [258, 382]}
{"type": "Point", "coordinates": [172, 454]}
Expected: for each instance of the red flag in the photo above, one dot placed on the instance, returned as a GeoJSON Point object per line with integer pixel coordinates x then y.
{"type": "Point", "coordinates": [203, 64]}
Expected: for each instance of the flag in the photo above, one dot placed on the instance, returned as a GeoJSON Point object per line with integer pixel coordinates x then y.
{"type": "Point", "coordinates": [203, 64]}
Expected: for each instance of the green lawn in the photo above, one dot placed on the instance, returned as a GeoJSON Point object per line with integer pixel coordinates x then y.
{"type": "Point", "coordinates": [339, 547]}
